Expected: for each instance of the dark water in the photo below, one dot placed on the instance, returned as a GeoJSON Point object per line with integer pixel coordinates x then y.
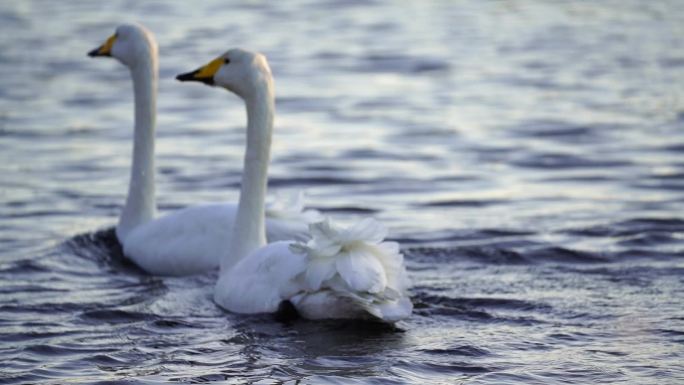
{"type": "Point", "coordinates": [528, 155]}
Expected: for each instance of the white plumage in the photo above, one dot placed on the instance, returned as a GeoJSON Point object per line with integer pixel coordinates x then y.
{"type": "Point", "coordinates": [336, 273]}
{"type": "Point", "coordinates": [192, 240]}
{"type": "Point", "coordinates": [187, 241]}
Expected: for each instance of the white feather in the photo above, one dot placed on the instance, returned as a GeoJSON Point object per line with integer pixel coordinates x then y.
{"type": "Point", "coordinates": [261, 281]}
{"type": "Point", "coordinates": [342, 285]}
{"type": "Point", "coordinates": [360, 271]}
{"type": "Point", "coordinates": [194, 239]}
{"type": "Point", "coordinates": [336, 272]}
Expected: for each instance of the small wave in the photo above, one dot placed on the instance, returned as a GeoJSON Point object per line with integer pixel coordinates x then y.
{"type": "Point", "coordinates": [673, 333]}
{"type": "Point", "coordinates": [679, 147]}
{"type": "Point", "coordinates": [172, 324]}
{"type": "Point", "coordinates": [52, 350]}
{"type": "Point", "coordinates": [464, 350]}
{"type": "Point", "coordinates": [24, 266]}
{"type": "Point", "coordinates": [476, 309]}
{"type": "Point", "coordinates": [347, 210]}
{"type": "Point", "coordinates": [505, 303]}
{"type": "Point", "coordinates": [608, 352]}
{"type": "Point", "coordinates": [312, 181]}
{"type": "Point", "coordinates": [562, 254]}
{"type": "Point", "coordinates": [430, 369]}
{"type": "Point", "coordinates": [113, 316]}
{"type": "Point", "coordinates": [454, 312]}
{"type": "Point", "coordinates": [102, 246]}
{"type": "Point", "coordinates": [426, 300]}
{"type": "Point", "coordinates": [436, 237]}
{"type": "Point", "coordinates": [491, 255]}
{"type": "Point", "coordinates": [42, 308]}
{"type": "Point", "coordinates": [677, 176]}
{"type": "Point", "coordinates": [566, 161]}
{"type": "Point", "coordinates": [561, 131]}
{"type": "Point", "coordinates": [659, 184]}
{"type": "Point", "coordinates": [105, 359]}
{"type": "Point", "coordinates": [33, 335]}
{"type": "Point", "coordinates": [463, 203]}
{"type": "Point", "coordinates": [521, 253]}
{"type": "Point", "coordinates": [649, 239]}
{"type": "Point", "coordinates": [396, 63]}
{"type": "Point", "coordinates": [579, 178]}
{"type": "Point", "coordinates": [39, 214]}
{"type": "Point", "coordinates": [632, 227]}
{"type": "Point", "coordinates": [298, 103]}
{"type": "Point", "coordinates": [101, 239]}
{"type": "Point", "coordinates": [30, 288]}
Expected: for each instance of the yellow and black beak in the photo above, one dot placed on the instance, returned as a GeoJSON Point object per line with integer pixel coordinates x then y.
{"type": "Point", "coordinates": [204, 74]}
{"type": "Point", "coordinates": [105, 49]}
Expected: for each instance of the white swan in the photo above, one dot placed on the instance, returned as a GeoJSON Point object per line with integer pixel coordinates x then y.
{"type": "Point", "coordinates": [190, 240]}
{"type": "Point", "coordinates": [338, 273]}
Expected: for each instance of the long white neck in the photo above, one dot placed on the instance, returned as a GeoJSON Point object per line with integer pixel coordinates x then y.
{"type": "Point", "coordinates": [140, 204]}
{"type": "Point", "coordinates": [249, 231]}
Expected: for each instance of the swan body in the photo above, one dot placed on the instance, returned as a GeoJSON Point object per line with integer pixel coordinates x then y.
{"type": "Point", "coordinates": [337, 272]}
{"type": "Point", "coordinates": [191, 240]}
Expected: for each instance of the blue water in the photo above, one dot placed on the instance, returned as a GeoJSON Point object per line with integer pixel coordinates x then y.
{"type": "Point", "coordinates": [528, 155]}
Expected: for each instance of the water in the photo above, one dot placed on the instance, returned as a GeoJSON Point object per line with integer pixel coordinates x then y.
{"type": "Point", "coordinates": [527, 155]}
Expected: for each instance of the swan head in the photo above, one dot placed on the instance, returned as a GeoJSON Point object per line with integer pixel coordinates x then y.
{"type": "Point", "coordinates": [130, 44]}
{"type": "Point", "coordinates": [243, 72]}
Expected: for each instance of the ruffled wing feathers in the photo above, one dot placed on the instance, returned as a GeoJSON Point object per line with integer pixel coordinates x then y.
{"type": "Point", "coordinates": [355, 263]}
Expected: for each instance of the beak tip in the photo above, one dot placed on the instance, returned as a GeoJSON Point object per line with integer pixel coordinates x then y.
{"type": "Point", "coordinates": [185, 77]}
{"type": "Point", "coordinates": [192, 77]}
{"type": "Point", "coordinates": [96, 53]}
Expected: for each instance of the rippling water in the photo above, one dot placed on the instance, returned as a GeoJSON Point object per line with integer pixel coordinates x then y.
{"type": "Point", "coordinates": [528, 155]}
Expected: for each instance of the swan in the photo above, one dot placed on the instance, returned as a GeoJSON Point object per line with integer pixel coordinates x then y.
{"type": "Point", "coordinates": [190, 240]}
{"type": "Point", "coordinates": [338, 272]}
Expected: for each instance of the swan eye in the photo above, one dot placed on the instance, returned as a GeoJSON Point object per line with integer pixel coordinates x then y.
{"type": "Point", "coordinates": [226, 61]}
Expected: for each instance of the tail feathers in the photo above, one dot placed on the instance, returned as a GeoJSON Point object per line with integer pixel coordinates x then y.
{"type": "Point", "coordinates": [336, 304]}
{"type": "Point", "coordinates": [393, 311]}
{"type": "Point", "coordinates": [388, 307]}
{"type": "Point", "coordinates": [392, 261]}
{"type": "Point", "coordinates": [356, 264]}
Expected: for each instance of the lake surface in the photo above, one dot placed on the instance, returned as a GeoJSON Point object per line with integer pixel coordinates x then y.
{"type": "Point", "coordinates": [528, 155]}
